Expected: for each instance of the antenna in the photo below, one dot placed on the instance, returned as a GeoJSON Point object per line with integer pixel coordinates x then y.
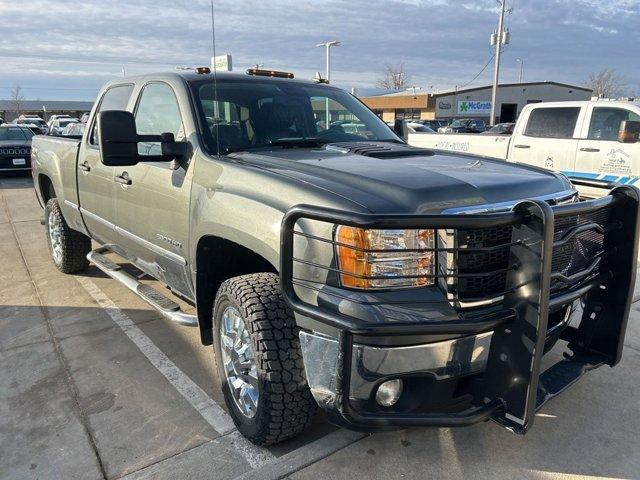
{"type": "Point", "coordinates": [215, 79]}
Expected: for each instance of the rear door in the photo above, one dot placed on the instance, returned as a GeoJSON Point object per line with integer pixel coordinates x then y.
{"type": "Point", "coordinates": [152, 211]}
{"type": "Point", "coordinates": [600, 155]}
{"type": "Point", "coordinates": [96, 185]}
{"type": "Point", "coordinates": [548, 138]}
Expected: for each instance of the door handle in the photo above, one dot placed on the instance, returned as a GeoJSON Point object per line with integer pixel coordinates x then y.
{"type": "Point", "coordinates": [589, 149]}
{"type": "Point", "coordinates": [84, 166]}
{"type": "Point", "coordinates": [123, 178]}
{"type": "Point", "coordinates": [522, 146]}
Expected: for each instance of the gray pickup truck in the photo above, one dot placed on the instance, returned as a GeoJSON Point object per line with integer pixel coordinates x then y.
{"type": "Point", "coordinates": [388, 285]}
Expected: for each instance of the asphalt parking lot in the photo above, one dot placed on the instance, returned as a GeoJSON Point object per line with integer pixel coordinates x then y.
{"type": "Point", "coordinates": [94, 384]}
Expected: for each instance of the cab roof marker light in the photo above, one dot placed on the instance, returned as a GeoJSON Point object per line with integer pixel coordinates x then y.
{"type": "Point", "coordinates": [269, 73]}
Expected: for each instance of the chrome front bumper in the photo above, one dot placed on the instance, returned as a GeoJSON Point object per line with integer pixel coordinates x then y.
{"type": "Point", "coordinates": [372, 365]}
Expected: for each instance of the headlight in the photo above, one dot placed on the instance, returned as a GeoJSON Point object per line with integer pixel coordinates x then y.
{"type": "Point", "coordinates": [375, 259]}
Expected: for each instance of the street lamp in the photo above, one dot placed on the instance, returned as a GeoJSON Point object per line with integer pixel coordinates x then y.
{"type": "Point", "coordinates": [328, 45]}
{"type": "Point", "coordinates": [521, 62]}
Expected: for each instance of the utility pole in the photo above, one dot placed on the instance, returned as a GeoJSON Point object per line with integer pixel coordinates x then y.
{"type": "Point", "coordinates": [500, 37]}
{"type": "Point", "coordinates": [328, 45]}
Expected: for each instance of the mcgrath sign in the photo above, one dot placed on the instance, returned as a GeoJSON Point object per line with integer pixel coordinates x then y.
{"type": "Point", "coordinates": [471, 108]}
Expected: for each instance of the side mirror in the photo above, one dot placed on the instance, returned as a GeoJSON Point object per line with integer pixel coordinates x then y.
{"type": "Point", "coordinates": [629, 131]}
{"type": "Point", "coordinates": [400, 128]}
{"type": "Point", "coordinates": [119, 141]}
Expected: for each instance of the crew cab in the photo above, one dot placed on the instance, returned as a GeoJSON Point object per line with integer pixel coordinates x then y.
{"type": "Point", "coordinates": [592, 140]}
{"type": "Point", "coordinates": [387, 284]}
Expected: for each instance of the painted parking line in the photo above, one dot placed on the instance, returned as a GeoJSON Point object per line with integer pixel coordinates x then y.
{"type": "Point", "coordinates": [192, 393]}
{"type": "Point", "coordinates": [264, 464]}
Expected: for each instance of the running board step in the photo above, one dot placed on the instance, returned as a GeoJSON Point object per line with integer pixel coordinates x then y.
{"type": "Point", "coordinates": [167, 307]}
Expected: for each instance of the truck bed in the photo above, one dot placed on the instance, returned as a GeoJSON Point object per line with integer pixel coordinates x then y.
{"type": "Point", "coordinates": [56, 158]}
{"type": "Point", "coordinates": [494, 146]}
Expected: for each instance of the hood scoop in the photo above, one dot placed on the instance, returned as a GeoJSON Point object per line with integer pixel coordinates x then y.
{"type": "Point", "coordinates": [378, 149]}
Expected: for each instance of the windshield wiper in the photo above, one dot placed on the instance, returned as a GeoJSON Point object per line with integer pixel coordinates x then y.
{"type": "Point", "coordinates": [298, 142]}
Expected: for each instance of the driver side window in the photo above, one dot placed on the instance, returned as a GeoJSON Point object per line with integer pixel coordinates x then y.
{"type": "Point", "coordinates": [605, 122]}
{"type": "Point", "coordinates": [157, 112]}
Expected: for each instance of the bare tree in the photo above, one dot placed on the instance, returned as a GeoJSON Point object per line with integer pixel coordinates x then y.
{"type": "Point", "coordinates": [16, 98]}
{"type": "Point", "coordinates": [606, 84]}
{"type": "Point", "coordinates": [394, 77]}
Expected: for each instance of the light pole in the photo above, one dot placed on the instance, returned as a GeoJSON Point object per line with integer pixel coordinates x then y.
{"type": "Point", "coordinates": [328, 45]}
{"type": "Point", "coordinates": [521, 62]}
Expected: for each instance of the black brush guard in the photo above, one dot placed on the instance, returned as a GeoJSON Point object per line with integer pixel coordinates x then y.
{"type": "Point", "coordinates": [513, 386]}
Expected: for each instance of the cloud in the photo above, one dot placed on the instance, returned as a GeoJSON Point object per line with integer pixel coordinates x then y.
{"type": "Point", "coordinates": [66, 45]}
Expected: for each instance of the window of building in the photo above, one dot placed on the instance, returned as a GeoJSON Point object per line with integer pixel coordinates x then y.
{"type": "Point", "coordinates": [552, 122]}
{"type": "Point", "coordinates": [605, 122]}
{"type": "Point", "coordinates": [408, 113]}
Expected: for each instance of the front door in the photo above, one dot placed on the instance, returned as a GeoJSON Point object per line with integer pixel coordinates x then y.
{"type": "Point", "coordinates": [96, 185]}
{"type": "Point", "coordinates": [152, 210]}
{"type": "Point", "coordinates": [600, 155]}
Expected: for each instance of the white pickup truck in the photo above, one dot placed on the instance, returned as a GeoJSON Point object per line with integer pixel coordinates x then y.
{"type": "Point", "coordinates": [586, 140]}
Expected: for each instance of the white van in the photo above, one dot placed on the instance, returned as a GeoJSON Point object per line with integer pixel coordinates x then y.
{"type": "Point", "coordinates": [580, 139]}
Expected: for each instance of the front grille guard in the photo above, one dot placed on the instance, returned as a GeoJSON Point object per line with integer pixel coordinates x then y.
{"type": "Point", "coordinates": [511, 389]}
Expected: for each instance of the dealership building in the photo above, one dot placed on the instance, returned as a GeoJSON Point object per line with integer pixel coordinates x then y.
{"type": "Point", "coordinates": [472, 102]}
{"type": "Point", "coordinates": [10, 109]}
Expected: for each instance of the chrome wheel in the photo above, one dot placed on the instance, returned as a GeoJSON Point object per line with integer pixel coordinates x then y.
{"type": "Point", "coordinates": [55, 238]}
{"type": "Point", "coordinates": [238, 360]}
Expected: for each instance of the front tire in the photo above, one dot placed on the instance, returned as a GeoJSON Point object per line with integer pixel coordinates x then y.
{"type": "Point", "coordinates": [68, 247]}
{"type": "Point", "coordinates": [259, 360]}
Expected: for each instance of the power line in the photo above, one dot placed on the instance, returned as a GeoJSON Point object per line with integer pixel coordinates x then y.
{"type": "Point", "coordinates": [480, 72]}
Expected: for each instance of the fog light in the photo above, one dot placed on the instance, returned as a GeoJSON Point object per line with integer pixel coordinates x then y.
{"type": "Point", "coordinates": [389, 392]}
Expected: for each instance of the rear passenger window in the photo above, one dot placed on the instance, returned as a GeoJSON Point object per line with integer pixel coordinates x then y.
{"type": "Point", "coordinates": [116, 98]}
{"type": "Point", "coordinates": [552, 122]}
{"type": "Point", "coordinates": [605, 122]}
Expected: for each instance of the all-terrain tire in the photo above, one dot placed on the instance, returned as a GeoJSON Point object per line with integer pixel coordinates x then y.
{"type": "Point", "coordinates": [285, 407]}
{"type": "Point", "coordinates": [72, 247]}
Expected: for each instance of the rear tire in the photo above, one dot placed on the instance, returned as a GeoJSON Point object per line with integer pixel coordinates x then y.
{"type": "Point", "coordinates": [68, 247]}
{"type": "Point", "coordinates": [284, 406]}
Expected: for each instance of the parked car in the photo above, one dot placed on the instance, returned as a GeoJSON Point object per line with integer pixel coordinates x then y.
{"type": "Point", "coordinates": [73, 130]}
{"type": "Point", "coordinates": [587, 140]}
{"type": "Point", "coordinates": [419, 128]}
{"type": "Point", "coordinates": [32, 121]}
{"type": "Point", "coordinates": [55, 117]}
{"type": "Point", "coordinates": [500, 129]}
{"type": "Point", "coordinates": [464, 125]}
{"type": "Point", "coordinates": [15, 147]}
{"type": "Point", "coordinates": [387, 284]}
{"type": "Point", "coordinates": [59, 124]}
{"type": "Point", "coordinates": [433, 124]}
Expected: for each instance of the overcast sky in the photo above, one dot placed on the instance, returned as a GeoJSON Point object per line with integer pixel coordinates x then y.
{"type": "Point", "coordinates": [61, 49]}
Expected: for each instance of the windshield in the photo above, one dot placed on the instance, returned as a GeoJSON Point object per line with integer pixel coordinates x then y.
{"type": "Point", "coordinates": [64, 122]}
{"type": "Point", "coordinates": [12, 133]}
{"type": "Point", "coordinates": [252, 114]}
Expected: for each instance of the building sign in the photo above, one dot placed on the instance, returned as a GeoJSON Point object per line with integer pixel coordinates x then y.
{"type": "Point", "coordinates": [444, 105]}
{"type": "Point", "coordinates": [471, 108]}
{"type": "Point", "coordinates": [221, 63]}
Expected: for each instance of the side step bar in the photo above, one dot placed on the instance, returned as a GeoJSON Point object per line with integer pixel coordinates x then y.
{"type": "Point", "coordinates": [167, 307]}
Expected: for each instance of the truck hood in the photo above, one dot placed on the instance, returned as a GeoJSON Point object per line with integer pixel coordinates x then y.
{"type": "Point", "coordinates": [390, 178]}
